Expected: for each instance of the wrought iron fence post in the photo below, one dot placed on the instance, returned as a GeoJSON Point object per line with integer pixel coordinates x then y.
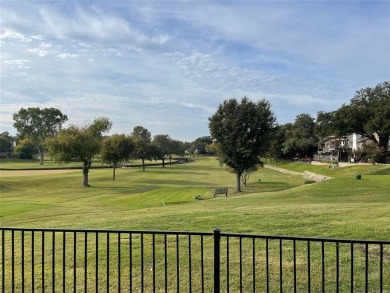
{"type": "Point", "coordinates": [217, 259]}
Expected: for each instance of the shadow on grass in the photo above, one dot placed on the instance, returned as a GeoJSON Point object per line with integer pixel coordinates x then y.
{"type": "Point", "coordinates": [181, 183]}
{"type": "Point", "coordinates": [261, 187]}
{"type": "Point", "coordinates": [385, 171]}
{"type": "Point", "coordinates": [173, 171]}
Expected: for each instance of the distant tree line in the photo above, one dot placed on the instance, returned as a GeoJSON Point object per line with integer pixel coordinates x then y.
{"type": "Point", "coordinates": [242, 132]}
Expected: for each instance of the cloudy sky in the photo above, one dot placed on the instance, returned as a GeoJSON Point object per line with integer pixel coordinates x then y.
{"type": "Point", "coordinates": [167, 65]}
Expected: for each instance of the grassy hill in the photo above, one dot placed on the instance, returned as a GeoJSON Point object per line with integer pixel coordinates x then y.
{"type": "Point", "coordinates": [163, 199]}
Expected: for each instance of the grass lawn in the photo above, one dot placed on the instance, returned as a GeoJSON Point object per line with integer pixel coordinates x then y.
{"type": "Point", "coordinates": [273, 203]}
{"type": "Point", "coordinates": [163, 199]}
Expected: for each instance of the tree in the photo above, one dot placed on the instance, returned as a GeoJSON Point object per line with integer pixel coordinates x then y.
{"type": "Point", "coordinates": [6, 143]}
{"type": "Point", "coordinates": [162, 147]}
{"type": "Point", "coordinates": [39, 124]}
{"type": "Point", "coordinates": [25, 149]}
{"type": "Point", "coordinates": [368, 114]}
{"type": "Point", "coordinates": [301, 138]}
{"type": "Point", "coordinates": [116, 149]}
{"type": "Point", "coordinates": [242, 132]}
{"type": "Point", "coordinates": [80, 143]}
{"type": "Point", "coordinates": [212, 148]}
{"type": "Point", "coordinates": [177, 148]}
{"type": "Point", "coordinates": [274, 151]}
{"type": "Point", "coordinates": [143, 144]}
{"type": "Point", "coordinates": [248, 172]}
{"type": "Point", "coordinates": [200, 144]}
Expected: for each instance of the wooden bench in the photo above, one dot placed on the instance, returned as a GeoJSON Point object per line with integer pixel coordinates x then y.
{"type": "Point", "coordinates": [221, 191]}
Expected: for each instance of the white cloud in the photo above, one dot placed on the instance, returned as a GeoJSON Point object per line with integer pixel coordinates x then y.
{"type": "Point", "coordinates": [67, 56]}
{"type": "Point", "coordinates": [168, 65]}
{"type": "Point", "coordinates": [39, 52]}
{"type": "Point", "coordinates": [198, 106]}
{"type": "Point", "coordinates": [20, 63]}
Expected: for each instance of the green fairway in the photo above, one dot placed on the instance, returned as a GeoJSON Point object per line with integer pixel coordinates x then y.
{"type": "Point", "coordinates": [163, 199]}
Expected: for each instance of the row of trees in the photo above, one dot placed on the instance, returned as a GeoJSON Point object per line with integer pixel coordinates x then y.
{"type": "Point", "coordinates": [41, 129]}
{"type": "Point", "coordinates": [367, 114]}
{"type": "Point", "coordinates": [241, 133]}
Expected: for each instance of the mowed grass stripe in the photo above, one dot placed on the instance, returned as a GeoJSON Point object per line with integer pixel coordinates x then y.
{"type": "Point", "coordinates": [163, 198]}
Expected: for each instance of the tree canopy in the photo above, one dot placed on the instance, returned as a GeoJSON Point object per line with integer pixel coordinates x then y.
{"type": "Point", "coordinates": [368, 114]}
{"type": "Point", "coordinates": [116, 149]}
{"type": "Point", "coordinates": [242, 131]}
{"type": "Point", "coordinates": [300, 138]}
{"type": "Point", "coordinates": [143, 149]}
{"type": "Point", "coordinates": [162, 147]}
{"type": "Point", "coordinates": [6, 142]}
{"type": "Point", "coordinates": [79, 143]}
{"type": "Point", "coordinates": [38, 124]}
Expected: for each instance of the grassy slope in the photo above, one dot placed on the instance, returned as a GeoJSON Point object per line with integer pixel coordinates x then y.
{"type": "Point", "coordinates": [161, 199]}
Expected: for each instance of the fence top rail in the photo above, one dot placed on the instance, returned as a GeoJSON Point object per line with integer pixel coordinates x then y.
{"type": "Point", "coordinates": [311, 239]}
{"type": "Point", "coordinates": [186, 233]}
{"type": "Point", "coordinates": [107, 231]}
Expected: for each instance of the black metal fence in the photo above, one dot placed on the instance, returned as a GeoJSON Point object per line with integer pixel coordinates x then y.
{"type": "Point", "coordinates": [63, 260]}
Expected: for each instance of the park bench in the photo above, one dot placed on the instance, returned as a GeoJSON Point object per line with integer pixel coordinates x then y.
{"type": "Point", "coordinates": [221, 191]}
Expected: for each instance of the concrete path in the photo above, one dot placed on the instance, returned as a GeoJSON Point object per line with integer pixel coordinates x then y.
{"type": "Point", "coordinates": [306, 174]}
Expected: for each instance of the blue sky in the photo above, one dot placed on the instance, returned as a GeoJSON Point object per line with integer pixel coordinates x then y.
{"type": "Point", "coordinates": [167, 65]}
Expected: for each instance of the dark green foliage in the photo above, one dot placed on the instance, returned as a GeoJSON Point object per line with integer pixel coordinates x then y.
{"type": "Point", "coordinates": [25, 149]}
{"type": "Point", "coordinates": [116, 149]}
{"type": "Point", "coordinates": [162, 147]}
{"type": "Point", "coordinates": [38, 124]}
{"type": "Point", "coordinates": [300, 137]}
{"type": "Point", "coordinates": [368, 114]}
{"type": "Point", "coordinates": [242, 132]}
{"type": "Point", "coordinates": [80, 143]}
{"type": "Point", "coordinates": [6, 142]}
{"type": "Point", "coordinates": [369, 153]}
{"type": "Point", "coordinates": [143, 149]}
{"type": "Point", "coordinates": [279, 136]}
{"type": "Point", "coordinates": [199, 145]}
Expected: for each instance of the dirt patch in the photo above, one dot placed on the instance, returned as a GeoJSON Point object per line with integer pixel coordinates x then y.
{"type": "Point", "coordinates": [20, 173]}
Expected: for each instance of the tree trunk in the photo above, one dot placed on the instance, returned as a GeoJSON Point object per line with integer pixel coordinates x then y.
{"type": "Point", "coordinates": [113, 172]}
{"type": "Point", "coordinates": [41, 152]}
{"type": "Point", "coordinates": [86, 166]}
{"type": "Point", "coordinates": [383, 140]}
{"type": "Point", "coordinates": [163, 163]}
{"type": "Point", "coordinates": [143, 164]}
{"type": "Point", "coordinates": [238, 182]}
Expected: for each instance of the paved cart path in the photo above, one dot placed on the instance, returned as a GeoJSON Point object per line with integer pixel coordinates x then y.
{"type": "Point", "coordinates": [306, 174]}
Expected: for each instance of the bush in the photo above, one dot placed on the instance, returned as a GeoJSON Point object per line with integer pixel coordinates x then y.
{"type": "Point", "coordinates": [370, 153]}
{"type": "Point", "coordinates": [25, 149]}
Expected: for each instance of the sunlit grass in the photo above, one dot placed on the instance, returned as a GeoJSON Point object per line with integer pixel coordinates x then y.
{"type": "Point", "coordinates": [273, 203]}
{"type": "Point", "coordinates": [163, 198]}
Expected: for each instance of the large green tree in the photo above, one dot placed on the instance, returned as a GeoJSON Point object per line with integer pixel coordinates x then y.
{"type": "Point", "coordinates": [301, 137]}
{"type": "Point", "coordinates": [198, 146]}
{"type": "Point", "coordinates": [143, 149]}
{"type": "Point", "coordinates": [79, 143]}
{"type": "Point", "coordinates": [274, 151]}
{"type": "Point", "coordinates": [38, 124]}
{"type": "Point", "coordinates": [242, 131]}
{"type": "Point", "coordinates": [25, 149]}
{"type": "Point", "coordinates": [115, 150]}
{"type": "Point", "coordinates": [368, 114]}
{"type": "Point", "coordinates": [6, 142]}
{"type": "Point", "coordinates": [162, 145]}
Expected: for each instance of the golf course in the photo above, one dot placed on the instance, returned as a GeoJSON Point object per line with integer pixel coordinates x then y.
{"type": "Point", "coordinates": [273, 203]}
{"type": "Point", "coordinates": [180, 197]}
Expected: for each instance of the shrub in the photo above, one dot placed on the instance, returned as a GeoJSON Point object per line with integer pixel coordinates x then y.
{"type": "Point", "coordinates": [25, 149]}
